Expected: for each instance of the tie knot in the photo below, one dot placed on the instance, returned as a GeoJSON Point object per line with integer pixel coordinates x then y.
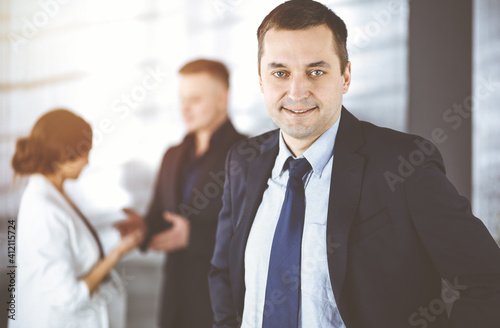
{"type": "Point", "coordinates": [298, 167]}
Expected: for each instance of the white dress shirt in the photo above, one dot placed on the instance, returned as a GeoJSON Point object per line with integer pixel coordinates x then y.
{"type": "Point", "coordinates": [318, 307]}
{"type": "Point", "coordinates": [54, 250]}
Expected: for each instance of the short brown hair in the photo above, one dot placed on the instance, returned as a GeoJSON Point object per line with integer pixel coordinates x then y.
{"type": "Point", "coordinates": [213, 67]}
{"type": "Point", "coordinates": [302, 14]}
{"type": "Point", "coordinates": [58, 136]}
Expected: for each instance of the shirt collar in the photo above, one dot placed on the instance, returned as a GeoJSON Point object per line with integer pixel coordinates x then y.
{"type": "Point", "coordinates": [283, 155]}
{"type": "Point", "coordinates": [217, 136]}
{"type": "Point", "coordinates": [318, 154]}
{"type": "Point", "coordinates": [220, 133]}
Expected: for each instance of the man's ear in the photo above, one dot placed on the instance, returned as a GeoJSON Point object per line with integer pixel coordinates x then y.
{"type": "Point", "coordinates": [347, 77]}
{"type": "Point", "coordinates": [260, 84]}
{"type": "Point", "coordinates": [260, 77]}
{"type": "Point", "coordinates": [224, 98]}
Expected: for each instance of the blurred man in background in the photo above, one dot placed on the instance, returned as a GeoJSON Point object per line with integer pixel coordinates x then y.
{"type": "Point", "coordinates": [182, 218]}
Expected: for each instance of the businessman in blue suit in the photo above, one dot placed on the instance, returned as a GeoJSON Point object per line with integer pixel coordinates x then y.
{"type": "Point", "coordinates": [323, 224]}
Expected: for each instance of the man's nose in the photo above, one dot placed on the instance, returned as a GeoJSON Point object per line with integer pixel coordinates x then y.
{"type": "Point", "coordinates": [298, 88]}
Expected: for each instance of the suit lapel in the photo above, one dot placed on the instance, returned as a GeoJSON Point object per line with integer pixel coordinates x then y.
{"type": "Point", "coordinates": [171, 191]}
{"type": "Point", "coordinates": [215, 157]}
{"type": "Point", "coordinates": [345, 191]}
{"type": "Point", "coordinates": [259, 171]}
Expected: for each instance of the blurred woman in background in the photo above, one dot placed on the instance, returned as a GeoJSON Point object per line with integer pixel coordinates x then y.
{"type": "Point", "coordinates": [62, 269]}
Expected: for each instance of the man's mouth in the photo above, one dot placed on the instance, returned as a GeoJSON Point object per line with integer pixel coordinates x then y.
{"type": "Point", "coordinates": [300, 110]}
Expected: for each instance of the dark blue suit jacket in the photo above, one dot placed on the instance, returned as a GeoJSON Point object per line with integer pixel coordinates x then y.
{"type": "Point", "coordinates": [396, 230]}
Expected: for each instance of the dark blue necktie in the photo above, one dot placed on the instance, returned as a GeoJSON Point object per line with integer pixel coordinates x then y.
{"type": "Point", "coordinates": [281, 309]}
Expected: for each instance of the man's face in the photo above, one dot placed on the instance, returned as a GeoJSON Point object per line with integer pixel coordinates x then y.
{"type": "Point", "coordinates": [301, 81]}
{"type": "Point", "coordinates": [203, 101]}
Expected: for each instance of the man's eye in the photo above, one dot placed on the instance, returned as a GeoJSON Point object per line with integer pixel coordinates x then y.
{"type": "Point", "coordinates": [279, 74]}
{"type": "Point", "coordinates": [317, 72]}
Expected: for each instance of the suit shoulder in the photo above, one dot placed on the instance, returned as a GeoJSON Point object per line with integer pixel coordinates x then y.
{"type": "Point", "coordinates": [260, 139]}
{"type": "Point", "coordinates": [239, 137]}
{"type": "Point", "coordinates": [175, 149]}
{"type": "Point", "coordinates": [39, 198]}
{"type": "Point", "coordinates": [391, 140]}
{"type": "Point", "coordinates": [232, 139]}
{"type": "Point", "coordinates": [234, 135]}
{"type": "Point", "coordinates": [247, 149]}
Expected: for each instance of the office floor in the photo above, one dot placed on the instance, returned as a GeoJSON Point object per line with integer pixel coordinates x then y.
{"type": "Point", "coordinates": [142, 274]}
